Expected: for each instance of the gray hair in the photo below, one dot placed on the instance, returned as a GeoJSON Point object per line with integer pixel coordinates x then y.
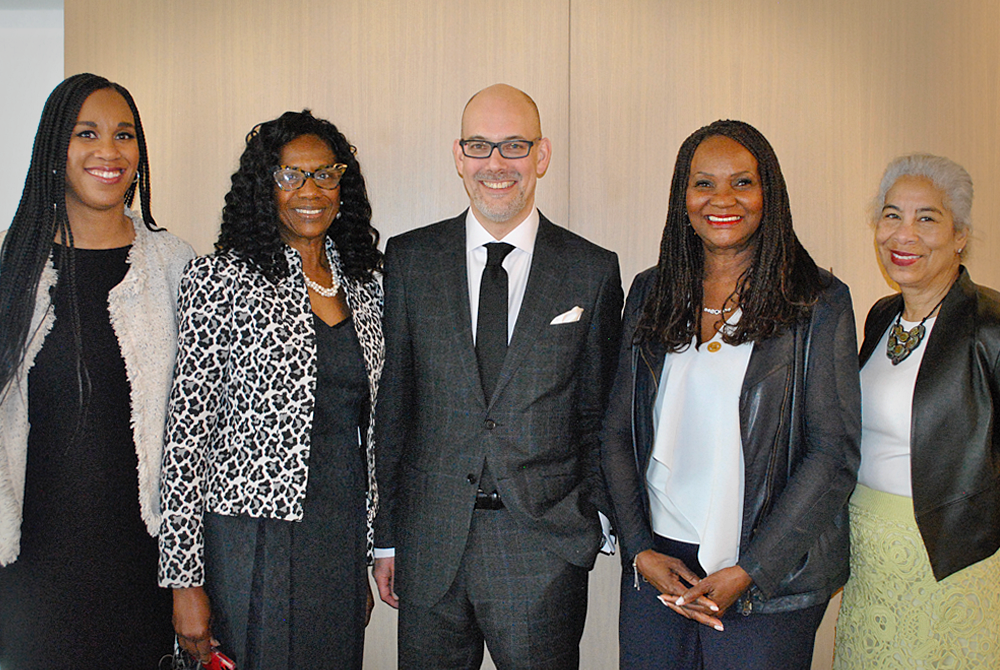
{"type": "Point", "coordinates": [947, 175]}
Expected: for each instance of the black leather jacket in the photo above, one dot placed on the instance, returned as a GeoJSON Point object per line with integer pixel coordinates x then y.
{"type": "Point", "coordinates": [954, 441]}
{"type": "Point", "coordinates": [800, 422]}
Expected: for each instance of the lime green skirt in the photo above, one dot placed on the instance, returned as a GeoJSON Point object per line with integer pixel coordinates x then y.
{"type": "Point", "coordinates": [894, 614]}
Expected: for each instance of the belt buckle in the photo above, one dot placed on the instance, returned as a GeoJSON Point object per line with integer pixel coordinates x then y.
{"type": "Point", "coordinates": [490, 501]}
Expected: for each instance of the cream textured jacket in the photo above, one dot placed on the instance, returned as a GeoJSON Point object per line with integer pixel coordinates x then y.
{"type": "Point", "coordinates": [143, 309]}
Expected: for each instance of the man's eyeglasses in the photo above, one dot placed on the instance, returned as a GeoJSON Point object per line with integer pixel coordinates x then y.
{"type": "Point", "coordinates": [292, 179]}
{"type": "Point", "coordinates": [509, 149]}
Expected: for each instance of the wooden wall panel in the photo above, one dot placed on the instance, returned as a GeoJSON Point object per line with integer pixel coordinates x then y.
{"type": "Point", "coordinates": [393, 76]}
{"type": "Point", "coordinates": [838, 88]}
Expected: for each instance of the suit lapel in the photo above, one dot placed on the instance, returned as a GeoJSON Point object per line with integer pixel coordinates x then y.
{"type": "Point", "coordinates": [453, 280]}
{"type": "Point", "coordinates": [544, 278]}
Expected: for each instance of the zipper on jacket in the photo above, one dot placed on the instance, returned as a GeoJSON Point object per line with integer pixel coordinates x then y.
{"type": "Point", "coordinates": [765, 507]}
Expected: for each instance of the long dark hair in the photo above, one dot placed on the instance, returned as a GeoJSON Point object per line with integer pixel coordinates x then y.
{"type": "Point", "coordinates": [250, 218]}
{"type": "Point", "coordinates": [41, 217]}
{"type": "Point", "coordinates": [778, 288]}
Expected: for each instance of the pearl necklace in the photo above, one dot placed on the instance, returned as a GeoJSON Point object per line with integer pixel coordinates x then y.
{"type": "Point", "coordinates": [717, 312]}
{"type": "Point", "coordinates": [322, 290]}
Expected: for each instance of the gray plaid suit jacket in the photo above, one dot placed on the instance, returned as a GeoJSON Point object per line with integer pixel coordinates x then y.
{"type": "Point", "coordinates": [540, 429]}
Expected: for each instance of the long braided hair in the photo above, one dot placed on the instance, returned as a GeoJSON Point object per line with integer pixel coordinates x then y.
{"type": "Point", "coordinates": [778, 288]}
{"type": "Point", "coordinates": [250, 225]}
{"type": "Point", "coordinates": [41, 218]}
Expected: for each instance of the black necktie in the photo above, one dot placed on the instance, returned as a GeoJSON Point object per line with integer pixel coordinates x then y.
{"type": "Point", "coordinates": [491, 324]}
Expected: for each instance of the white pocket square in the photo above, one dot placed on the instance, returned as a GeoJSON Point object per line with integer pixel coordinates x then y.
{"type": "Point", "coordinates": [571, 316]}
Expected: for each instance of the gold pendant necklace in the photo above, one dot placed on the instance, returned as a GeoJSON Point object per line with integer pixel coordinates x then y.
{"type": "Point", "coordinates": [903, 342]}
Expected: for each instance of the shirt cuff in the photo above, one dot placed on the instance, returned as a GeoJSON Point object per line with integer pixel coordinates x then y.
{"type": "Point", "coordinates": [608, 546]}
{"type": "Point", "coordinates": [385, 552]}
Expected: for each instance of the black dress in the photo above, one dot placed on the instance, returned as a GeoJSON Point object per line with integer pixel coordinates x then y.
{"type": "Point", "coordinates": [83, 592]}
{"type": "Point", "coordinates": [293, 594]}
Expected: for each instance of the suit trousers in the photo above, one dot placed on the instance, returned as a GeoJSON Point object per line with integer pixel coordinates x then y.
{"type": "Point", "coordinates": [527, 604]}
{"type": "Point", "coordinates": [654, 637]}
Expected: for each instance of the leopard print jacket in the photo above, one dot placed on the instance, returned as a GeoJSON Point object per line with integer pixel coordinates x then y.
{"type": "Point", "coordinates": [241, 406]}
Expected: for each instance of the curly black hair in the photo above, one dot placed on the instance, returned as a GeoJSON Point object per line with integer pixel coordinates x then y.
{"type": "Point", "coordinates": [41, 218]}
{"type": "Point", "coordinates": [779, 287]}
{"type": "Point", "coordinates": [250, 226]}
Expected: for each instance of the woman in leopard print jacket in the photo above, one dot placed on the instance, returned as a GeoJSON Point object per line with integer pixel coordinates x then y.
{"type": "Point", "coordinates": [268, 490]}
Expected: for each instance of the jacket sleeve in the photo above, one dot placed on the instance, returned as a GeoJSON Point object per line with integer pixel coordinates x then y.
{"type": "Point", "coordinates": [597, 375]}
{"type": "Point", "coordinates": [395, 404]}
{"type": "Point", "coordinates": [820, 485]}
{"type": "Point", "coordinates": [193, 417]}
{"type": "Point", "coordinates": [618, 456]}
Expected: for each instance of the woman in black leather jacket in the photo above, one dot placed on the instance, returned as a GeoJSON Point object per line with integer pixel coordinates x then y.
{"type": "Point", "coordinates": [730, 445]}
{"type": "Point", "coordinates": [925, 519]}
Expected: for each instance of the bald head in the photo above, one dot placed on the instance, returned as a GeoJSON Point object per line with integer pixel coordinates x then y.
{"type": "Point", "coordinates": [502, 100]}
{"type": "Point", "coordinates": [502, 190]}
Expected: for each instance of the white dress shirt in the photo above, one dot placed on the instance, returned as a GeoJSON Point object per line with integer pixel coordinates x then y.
{"type": "Point", "coordinates": [517, 264]}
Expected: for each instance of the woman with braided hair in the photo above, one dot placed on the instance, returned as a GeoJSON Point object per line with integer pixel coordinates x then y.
{"type": "Point", "coordinates": [730, 445]}
{"type": "Point", "coordinates": [87, 345]}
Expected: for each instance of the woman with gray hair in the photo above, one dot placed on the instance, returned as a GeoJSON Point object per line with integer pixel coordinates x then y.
{"type": "Point", "coordinates": [924, 589]}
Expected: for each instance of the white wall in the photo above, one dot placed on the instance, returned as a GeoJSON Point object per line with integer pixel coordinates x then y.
{"type": "Point", "coordinates": [31, 50]}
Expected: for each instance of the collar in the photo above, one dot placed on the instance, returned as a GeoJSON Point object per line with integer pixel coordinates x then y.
{"type": "Point", "coordinates": [522, 237]}
{"type": "Point", "coordinates": [295, 261]}
{"type": "Point", "coordinates": [957, 303]}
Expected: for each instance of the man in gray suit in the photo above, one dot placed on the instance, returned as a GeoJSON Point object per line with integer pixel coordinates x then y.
{"type": "Point", "coordinates": [499, 358]}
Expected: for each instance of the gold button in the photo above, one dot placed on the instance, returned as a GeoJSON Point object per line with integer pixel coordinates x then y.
{"type": "Point", "coordinates": [714, 346]}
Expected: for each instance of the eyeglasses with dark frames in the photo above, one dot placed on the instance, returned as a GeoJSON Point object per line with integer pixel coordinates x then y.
{"type": "Point", "coordinates": [509, 149]}
{"type": "Point", "coordinates": [292, 179]}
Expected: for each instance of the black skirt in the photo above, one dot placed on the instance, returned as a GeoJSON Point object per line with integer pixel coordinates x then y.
{"type": "Point", "coordinates": [293, 594]}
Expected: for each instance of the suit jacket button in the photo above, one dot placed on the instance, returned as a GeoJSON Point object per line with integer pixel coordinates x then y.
{"type": "Point", "coordinates": [490, 424]}
{"type": "Point", "coordinates": [471, 479]}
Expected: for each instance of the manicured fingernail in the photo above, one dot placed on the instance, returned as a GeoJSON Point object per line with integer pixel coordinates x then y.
{"type": "Point", "coordinates": [680, 601]}
{"type": "Point", "coordinates": [713, 607]}
{"type": "Point", "coordinates": [719, 627]}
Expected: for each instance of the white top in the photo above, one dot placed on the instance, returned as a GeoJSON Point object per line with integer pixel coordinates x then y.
{"type": "Point", "coordinates": [695, 475]}
{"type": "Point", "coordinates": [886, 415]}
{"type": "Point", "coordinates": [517, 264]}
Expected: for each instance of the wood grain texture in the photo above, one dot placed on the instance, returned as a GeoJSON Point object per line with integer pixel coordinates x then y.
{"type": "Point", "coordinates": [393, 76]}
{"type": "Point", "coordinates": [839, 88]}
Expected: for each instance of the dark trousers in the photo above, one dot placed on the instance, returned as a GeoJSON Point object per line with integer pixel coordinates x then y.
{"type": "Point", "coordinates": [653, 637]}
{"type": "Point", "coordinates": [526, 603]}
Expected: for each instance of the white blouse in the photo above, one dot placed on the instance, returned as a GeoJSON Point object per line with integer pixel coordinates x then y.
{"type": "Point", "coordinates": [695, 475]}
{"type": "Point", "coordinates": [886, 415]}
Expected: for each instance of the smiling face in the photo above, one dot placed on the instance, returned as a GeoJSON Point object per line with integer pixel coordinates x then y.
{"type": "Point", "coordinates": [502, 190]}
{"type": "Point", "coordinates": [724, 197]}
{"type": "Point", "coordinates": [916, 238]}
{"type": "Point", "coordinates": [306, 214]}
{"type": "Point", "coordinates": [103, 154]}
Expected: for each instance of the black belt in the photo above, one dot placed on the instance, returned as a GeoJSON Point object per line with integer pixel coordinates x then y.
{"type": "Point", "coordinates": [488, 500]}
